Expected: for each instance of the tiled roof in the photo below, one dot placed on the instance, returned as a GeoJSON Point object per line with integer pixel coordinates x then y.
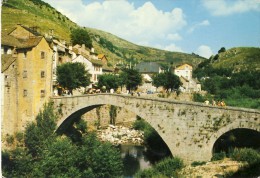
{"type": "Point", "coordinates": [7, 60]}
{"type": "Point", "coordinates": [148, 67]}
{"type": "Point", "coordinates": [96, 62]}
{"type": "Point", "coordinates": [100, 56]}
{"type": "Point", "coordinates": [20, 43]}
{"type": "Point", "coordinates": [182, 67]}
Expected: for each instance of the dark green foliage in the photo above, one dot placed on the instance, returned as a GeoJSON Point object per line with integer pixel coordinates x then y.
{"type": "Point", "coordinates": [80, 36]}
{"type": "Point", "coordinates": [249, 155]}
{"type": "Point", "coordinates": [109, 81]}
{"type": "Point", "coordinates": [198, 163]}
{"type": "Point", "coordinates": [223, 49]}
{"type": "Point", "coordinates": [168, 167]}
{"type": "Point", "coordinates": [38, 134]}
{"type": "Point", "coordinates": [167, 80]}
{"type": "Point", "coordinates": [48, 155]}
{"type": "Point", "coordinates": [107, 44]}
{"type": "Point", "coordinates": [72, 75]}
{"type": "Point", "coordinates": [17, 163]}
{"type": "Point", "coordinates": [131, 78]}
{"type": "Point", "coordinates": [240, 89]}
{"type": "Point", "coordinates": [218, 156]}
{"type": "Point", "coordinates": [252, 157]}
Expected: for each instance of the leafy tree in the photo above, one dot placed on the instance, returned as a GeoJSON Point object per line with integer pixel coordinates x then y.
{"type": "Point", "coordinates": [81, 36]}
{"type": "Point", "coordinates": [109, 81]}
{"type": "Point", "coordinates": [167, 80]}
{"type": "Point", "coordinates": [222, 50]}
{"type": "Point", "coordinates": [131, 78]}
{"type": "Point", "coordinates": [72, 75]}
{"type": "Point", "coordinates": [38, 134]}
{"type": "Point", "coordinates": [50, 155]}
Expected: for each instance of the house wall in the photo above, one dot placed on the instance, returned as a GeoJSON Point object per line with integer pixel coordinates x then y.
{"type": "Point", "coordinates": [23, 98]}
{"type": "Point", "coordinates": [185, 71]}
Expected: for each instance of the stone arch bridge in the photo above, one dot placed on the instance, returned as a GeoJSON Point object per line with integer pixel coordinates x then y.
{"type": "Point", "coordinates": [189, 129]}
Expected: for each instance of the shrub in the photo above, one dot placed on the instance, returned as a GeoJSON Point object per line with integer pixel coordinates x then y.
{"type": "Point", "coordinates": [218, 156]}
{"type": "Point", "coordinates": [198, 163]}
{"type": "Point", "coordinates": [169, 166]}
{"type": "Point", "coordinates": [249, 155]}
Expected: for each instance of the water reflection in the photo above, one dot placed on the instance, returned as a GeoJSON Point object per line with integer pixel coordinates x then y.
{"type": "Point", "coordinates": [137, 158]}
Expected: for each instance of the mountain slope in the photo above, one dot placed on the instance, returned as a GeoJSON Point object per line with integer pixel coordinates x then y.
{"type": "Point", "coordinates": [38, 13]}
{"type": "Point", "coordinates": [239, 58]}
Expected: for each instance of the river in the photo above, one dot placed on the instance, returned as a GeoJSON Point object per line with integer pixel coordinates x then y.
{"type": "Point", "coordinates": [137, 158]}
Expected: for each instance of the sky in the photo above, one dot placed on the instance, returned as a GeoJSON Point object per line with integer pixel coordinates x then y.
{"type": "Point", "coordinates": [189, 26]}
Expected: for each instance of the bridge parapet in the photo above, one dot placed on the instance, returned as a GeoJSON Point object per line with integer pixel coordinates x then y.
{"type": "Point", "coordinates": [189, 129]}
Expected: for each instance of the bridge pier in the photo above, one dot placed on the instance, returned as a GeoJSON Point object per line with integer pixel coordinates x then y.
{"type": "Point", "coordinates": [189, 129]}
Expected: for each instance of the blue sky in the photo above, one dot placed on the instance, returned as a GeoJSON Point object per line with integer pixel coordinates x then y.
{"type": "Point", "coordinates": [200, 26]}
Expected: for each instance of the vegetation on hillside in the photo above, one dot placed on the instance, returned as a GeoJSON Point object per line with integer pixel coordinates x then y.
{"type": "Point", "coordinates": [232, 79]}
{"type": "Point", "coordinates": [38, 13]}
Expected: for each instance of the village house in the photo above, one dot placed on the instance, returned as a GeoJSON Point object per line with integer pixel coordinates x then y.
{"type": "Point", "coordinates": [147, 70]}
{"type": "Point", "coordinates": [93, 66]}
{"type": "Point", "coordinates": [189, 84]}
{"type": "Point", "coordinates": [27, 77]}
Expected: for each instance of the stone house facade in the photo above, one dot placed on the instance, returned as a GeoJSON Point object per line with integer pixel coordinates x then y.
{"type": "Point", "coordinates": [26, 74]}
{"type": "Point", "coordinates": [189, 84]}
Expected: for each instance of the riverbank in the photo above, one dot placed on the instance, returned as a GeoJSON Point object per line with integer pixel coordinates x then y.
{"type": "Point", "coordinates": [121, 135]}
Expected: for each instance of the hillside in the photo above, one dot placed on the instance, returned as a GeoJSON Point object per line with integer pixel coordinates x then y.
{"type": "Point", "coordinates": [38, 13]}
{"type": "Point", "coordinates": [240, 58]}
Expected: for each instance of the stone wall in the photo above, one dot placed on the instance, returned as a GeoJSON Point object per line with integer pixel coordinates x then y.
{"type": "Point", "coordinates": [102, 116]}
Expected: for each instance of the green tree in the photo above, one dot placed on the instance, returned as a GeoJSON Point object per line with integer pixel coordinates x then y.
{"type": "Point", "coordinates": [167, 80]}
{"type": "Point", "coordinates": [72, 75]}
{"type": "Point", "coordinates": [81, 36]}
{"type": "Point", "coordinates": [131, 78]}
{"type": "Point", "coordinates": [109, 81]}
{"type": "Point", "coordinates": [223, 49]}
{"type": "Point", "coordinates": [39, 133]}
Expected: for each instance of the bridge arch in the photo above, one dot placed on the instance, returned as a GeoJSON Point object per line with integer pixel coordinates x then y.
{"type": "Point", "coordinates": [189, 129]}
{"type": "Point", "coordinates": [229, 128]}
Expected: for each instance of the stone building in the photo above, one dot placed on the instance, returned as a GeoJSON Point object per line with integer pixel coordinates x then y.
{"type": "Point", "coordinates": [26, 77]}
{"type": "Point", "coordinates": [189, 84]}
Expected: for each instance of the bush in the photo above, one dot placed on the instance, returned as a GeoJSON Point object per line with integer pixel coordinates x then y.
{"type": "Point", "coordinates": [218, 156]}
{"type": "Point", "coordinates": [165, 168]}
{"type": "Point", "coordinates": [169, 166]}
{"type": "Point", "coordinates": [198, 163]}
{"type": "Point", "coordinates": [249, 155]}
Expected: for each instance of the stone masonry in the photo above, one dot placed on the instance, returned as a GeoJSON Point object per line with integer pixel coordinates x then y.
{"type": "Point", "coordinates": [189, 129]}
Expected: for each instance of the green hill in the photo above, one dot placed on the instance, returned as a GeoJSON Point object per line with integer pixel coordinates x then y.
{"type": "Point", "coordinates": [237, 59]}
{"type": "Point", "coordinates": [38, 13]}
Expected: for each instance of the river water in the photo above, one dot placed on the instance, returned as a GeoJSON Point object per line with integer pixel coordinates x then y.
{"type": "Point", "coordinates": [137, 158]}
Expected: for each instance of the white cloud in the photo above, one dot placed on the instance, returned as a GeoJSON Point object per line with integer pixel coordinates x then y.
{"type": "Point", "coordinates": [174, 37]}
{"type": "Point", "coordinates": [144, 25]}
{"type": "Point", "coordinates": [173, 47]}
{"type": "Point", "coordinates": [197, 25]}
{"type": "Point", "coordinates": [225, 7]}
{"type": "Point", "coordinates": [204, 51]}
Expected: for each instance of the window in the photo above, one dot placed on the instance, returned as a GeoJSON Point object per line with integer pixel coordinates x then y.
{"type": "Point", "coordinates": [25, 74]}
{"type": "Point", "coordinates": [42, 93]}
{"type": "Point", "coordinates": [25, 93]}
{"type": "Point", "coordinates": [25, 54]}
{"type": "Point", "coordinates": [42, 55]}
{"type": "Point", "coordinates": [42, 74]}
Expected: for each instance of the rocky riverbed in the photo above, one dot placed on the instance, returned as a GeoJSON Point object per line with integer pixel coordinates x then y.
{"type": "Point", "coordinates": [121, 135]}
